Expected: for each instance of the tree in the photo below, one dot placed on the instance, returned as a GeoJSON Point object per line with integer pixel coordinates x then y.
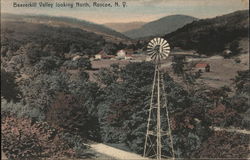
{"type": "Point", "coordinates": [47, 64]}
{"type": "Point", "coordinates": [178, 64]}
{"type": "Point", "coordinates": [81, 63]}
{"type": "Point", "coordinates": [234, 47]}
{"type": "Point", "coordinates": [68, 113]}
{"type": "Point", "coordinates": [84, 63]}
{"type": "Point", "coordinates": [40, 91]}
{"type": "Point", "coordinates": [9, 88]}
{"type": "Point", "coordinates": [242, 81]}
{"type": "Point", "coordinates": [108, 76]}
{"type": "Point", "coordinates": [33, 52]}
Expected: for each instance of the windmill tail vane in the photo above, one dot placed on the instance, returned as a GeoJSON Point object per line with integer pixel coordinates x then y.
{"type": "Point", "coordinates": [158, 141]}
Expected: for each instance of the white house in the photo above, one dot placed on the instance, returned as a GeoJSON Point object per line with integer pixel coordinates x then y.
{"type": "Point", "coordinates": [227, 52]}
{"type": "Point", "coordinates": [98, 56]}
{"type": "Point", "coordinates": [121, 54]}
{"type": "Point", "coordinates": [76, 58]}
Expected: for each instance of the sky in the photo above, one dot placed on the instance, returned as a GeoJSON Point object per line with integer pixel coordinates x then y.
{"type": "Point", "coordinates": [135, 10]}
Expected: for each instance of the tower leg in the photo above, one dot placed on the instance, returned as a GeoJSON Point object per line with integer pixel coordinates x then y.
{"type": "Point", "coordinates": [149, 117]}
{"type": "Point", "coordinates": [158, 116]}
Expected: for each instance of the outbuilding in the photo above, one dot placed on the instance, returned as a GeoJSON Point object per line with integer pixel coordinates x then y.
{"type": "Point", "coordinates": [121, 54]}
{"type": "Point", "coordinates": [203, 67]}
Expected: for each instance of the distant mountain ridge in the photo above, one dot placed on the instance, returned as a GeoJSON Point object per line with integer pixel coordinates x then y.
{"type": "Point", "coordinates": [123, 27]}
{"type": "Point", "coordinates": [161, 26]}
{"type": "Point", "coordinates": [212, 35]}
{"type": "Point", "coordinates": [102, 30]}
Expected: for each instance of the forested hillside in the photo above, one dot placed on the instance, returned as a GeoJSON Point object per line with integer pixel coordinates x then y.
{"type": "Point", "coordinates": [50, 39]}
{"type": "Point", "coordinates": [160, 26]}
{"type": "Point", "coordinates": [107, 33]}
{"type": "Point", "coordinates": [210, 36]}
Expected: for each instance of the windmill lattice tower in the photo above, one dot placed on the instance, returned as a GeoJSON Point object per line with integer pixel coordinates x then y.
{"type": "Point", "coordinates": [158, 135]}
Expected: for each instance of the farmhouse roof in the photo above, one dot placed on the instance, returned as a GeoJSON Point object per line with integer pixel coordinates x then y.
{"type": "Point", "coordinates": [201, 65]}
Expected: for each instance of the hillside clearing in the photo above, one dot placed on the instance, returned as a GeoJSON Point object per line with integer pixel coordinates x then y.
{"type": "Point", "coordinates": [222, 72]}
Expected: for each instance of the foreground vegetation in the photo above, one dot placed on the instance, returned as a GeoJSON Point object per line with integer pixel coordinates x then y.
{"type": "Point", "coordinates": [211, 36]}
{"type": "Point", "coordinates": [67, 110]}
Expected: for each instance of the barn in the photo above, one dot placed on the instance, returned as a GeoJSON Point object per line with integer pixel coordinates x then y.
{"type": "Point", "coordinates": [203, 67]}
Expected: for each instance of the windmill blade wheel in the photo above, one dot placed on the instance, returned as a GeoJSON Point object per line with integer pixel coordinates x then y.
{"type": "Point", "coordinates": [158, 49]}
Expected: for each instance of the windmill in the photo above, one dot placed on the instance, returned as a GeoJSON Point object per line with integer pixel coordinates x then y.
{"type": "Point", "coordinates": [158, 135]}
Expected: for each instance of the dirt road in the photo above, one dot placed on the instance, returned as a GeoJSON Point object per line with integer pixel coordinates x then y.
{"type": "Point", "coordinates": [3, 156]}
{"type": "Point", "coordinates": [115, 153]}
{"type": "Point", "coordinates": [241, 131]}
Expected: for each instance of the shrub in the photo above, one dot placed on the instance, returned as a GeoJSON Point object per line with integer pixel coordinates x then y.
{"type": "Point", "coordinates": [239, 102]}
{"type": "Point", "coordinates": [24, 138]}
{"type": "Point", "coordinates": [71, 114]}
{"type": "Point", "coordinates": [75, 142]}
{"type": "Point", "coordinates": [242, 81]}
{"type": "Point", "coordinates": [67, 112]}
{"type": "Point", "coordinates": [178, 64]}
{"type": "Point", "coordinates": [234, 47]}
{"type": "Point", "coordinates": [246, 120]}
{"type": "Point", "coordinates": [223, 145]}
{"type": "Point", "coordinates": [40, 91]}
{"type": "Point", "coordinates": [82, 63]}
{"type": "Point", "coordinates": [108, 76]}
{"type": "Point", "coordinates": [9, 89]}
